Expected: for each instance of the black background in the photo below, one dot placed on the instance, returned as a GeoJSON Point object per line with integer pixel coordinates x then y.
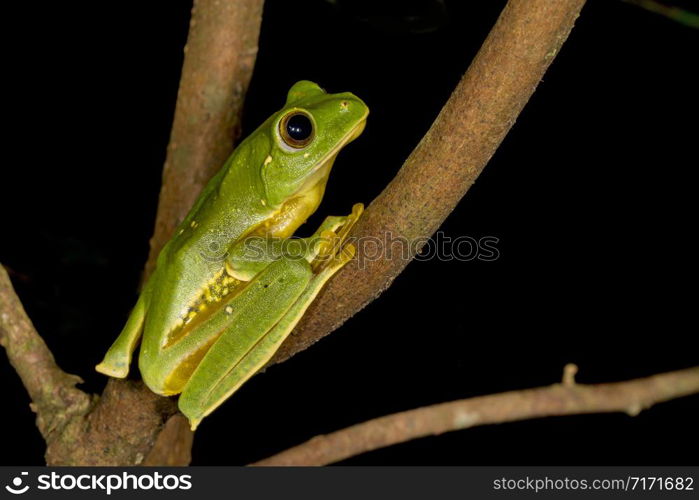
{"type": "Point", "coordinates": [591, 196]}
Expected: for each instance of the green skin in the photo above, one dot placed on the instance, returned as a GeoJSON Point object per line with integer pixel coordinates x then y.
{"type": "Point", "coordinates": [213, 313]}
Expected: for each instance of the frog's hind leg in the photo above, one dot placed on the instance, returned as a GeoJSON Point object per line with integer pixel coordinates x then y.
{"type": "Point", "coordinates": [246, 346]}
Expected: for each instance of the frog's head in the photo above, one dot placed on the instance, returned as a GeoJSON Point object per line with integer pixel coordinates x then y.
{"type": "Point", "coordinates": [306, 135]}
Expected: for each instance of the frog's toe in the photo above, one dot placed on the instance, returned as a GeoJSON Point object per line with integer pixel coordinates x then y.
{"type": "Point", "coordinates": [357, 211]}
{"type": "Point", "coordinates": [112, 369]}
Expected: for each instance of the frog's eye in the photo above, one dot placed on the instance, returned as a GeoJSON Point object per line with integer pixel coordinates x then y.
{"type": "Point", "coordinates": [296, 129]}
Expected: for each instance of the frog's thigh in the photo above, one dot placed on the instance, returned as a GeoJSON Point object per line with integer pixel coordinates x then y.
{"type": "Point", "coordinates": [250, 256]}
{"type": "Point", "coordinates": [246, 344]}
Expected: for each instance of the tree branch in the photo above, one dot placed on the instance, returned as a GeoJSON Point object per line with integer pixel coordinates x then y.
{"type": "Point", "coordinates": [220, 53]}
{"type": "Point", "coordinates": [482, 109]}
{"type": "Point", "coordinates": [123, 427]}
{"type": "Point", "coordinates": [118, 428]}
{"type": "Point", "coordinates": [674, 13]}
{"type": "Point", "coordinates": [219, 59]}
{"type": "Point", "coordinates": [435, 177]}
{"type": "Point", "coordinates": [567, 398]}
{"type": "Point", "coordinates": [55, 399]}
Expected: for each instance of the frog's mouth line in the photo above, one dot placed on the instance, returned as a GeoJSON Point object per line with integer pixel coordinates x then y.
{"type": "Point", "coordinates": [299, 206]}
{"type": "Point", "coordinates": [322, 170]}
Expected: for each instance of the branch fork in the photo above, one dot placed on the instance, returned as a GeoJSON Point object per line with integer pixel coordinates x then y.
{"type": "Point", "coordinates": [130, 425]}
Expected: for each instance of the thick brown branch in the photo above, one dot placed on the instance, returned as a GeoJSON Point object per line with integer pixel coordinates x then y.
{"type": "Point", "coordinates": [124, 426]}
{"type": "Point", "coordinates": [461, 141]}
{"type": "Point", "coordinates": [173, 446]}
{"type": "Point", "coordinates": [219, 59]}
{"type": "Point", "coordinates": [220, 53]}
{"type": "Point", "coordinates": [567, 398]}
{"type": "Point", "coordinates": [55, 399]}
{"type": "Point", "coordinates": [120, 429]}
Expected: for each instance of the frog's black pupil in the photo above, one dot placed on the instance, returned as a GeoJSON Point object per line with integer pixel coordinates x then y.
{"type": "Point", "coordinates": [299, 127]}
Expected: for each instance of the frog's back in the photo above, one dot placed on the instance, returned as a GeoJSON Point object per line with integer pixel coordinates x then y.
{"type": "Point", "coordinates": [192, 265]}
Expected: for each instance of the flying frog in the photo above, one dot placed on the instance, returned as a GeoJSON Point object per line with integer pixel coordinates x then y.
{"type": "Point", "coordinates": [231, 284]}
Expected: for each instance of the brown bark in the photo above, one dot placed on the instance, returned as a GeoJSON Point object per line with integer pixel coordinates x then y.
{"type": "Point", "coordinates": [567, 398]}
{"type": "Point", "coordinates": [173, 445]}
{"type": "Point", "coordinates": [120, 429]}
{"type": "Point", "coordinates": [474, 121]}
{"type": "Point", "coordinates": [55, 399]}
{"type": "Point", "coordinates": [219, 59]}
{"type": "Point", "coordinates": [124, 425]}
{"type": "Point", "coordinates": [218, 63]}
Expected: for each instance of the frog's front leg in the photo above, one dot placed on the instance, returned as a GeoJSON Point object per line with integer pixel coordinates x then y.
{"type": "Point", "coordinates": [283, 290]}
{"type": "Point", "coordinates": [117, 360]}
{"type": "Point", "coordinates": [251, 255]}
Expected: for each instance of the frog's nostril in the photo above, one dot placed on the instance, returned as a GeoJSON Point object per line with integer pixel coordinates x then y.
{"type": "Point", "coordinates": [344, 105]}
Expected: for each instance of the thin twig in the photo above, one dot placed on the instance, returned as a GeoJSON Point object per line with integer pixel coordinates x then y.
{"type": "Point", "coordinates": [672, 12]}
{"type": "Point", "coordinates": [567, 398]}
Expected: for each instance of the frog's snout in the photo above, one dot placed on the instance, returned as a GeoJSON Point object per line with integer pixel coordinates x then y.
{"type": "Point", "coordinates": [358, 130]}
{"type": "Point", "coordinates": [350, 102]}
